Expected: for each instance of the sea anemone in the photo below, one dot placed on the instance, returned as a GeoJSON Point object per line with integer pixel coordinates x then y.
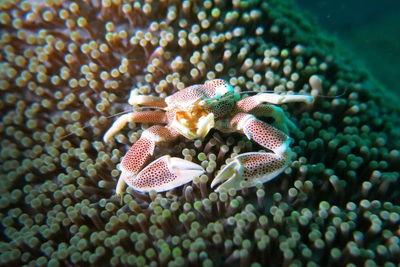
{"type": "Point", "coordinates": [67, 66]}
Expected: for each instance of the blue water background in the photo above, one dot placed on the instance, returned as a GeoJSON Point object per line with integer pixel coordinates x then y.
{"type": "Point", "coordinates": [370, 29]}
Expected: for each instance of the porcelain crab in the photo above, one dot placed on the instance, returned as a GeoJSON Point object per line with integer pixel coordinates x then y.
{"type": "Point", "coordinates": [191, 113]}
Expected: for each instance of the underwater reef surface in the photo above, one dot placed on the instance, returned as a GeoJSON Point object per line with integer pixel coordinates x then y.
{"type": "Point", "coordinates": [66, 66]}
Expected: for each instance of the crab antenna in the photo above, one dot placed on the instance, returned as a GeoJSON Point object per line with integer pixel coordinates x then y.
{"type": "Point", "coordinates": [317, 96]}
{"type": "Point", "coordinates": [117, 114]}
{"type": "Point", "coordinates": [153, 107]}
{"type": "Point", "coordinates": [333, 96]}
{"type": "Point", "coordinates": [255, 92]}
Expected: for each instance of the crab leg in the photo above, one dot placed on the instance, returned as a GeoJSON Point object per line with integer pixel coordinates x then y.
{"type": "Point", "coordinates": [278, 99]}
{"type": "Point", "coordinates": [255, 167]}
{"type": "Point", "coordinates": [256, 106]}
{"type": "Point", "coordinates": [259, 109]}
{"type": "Point", "coordinates": [140, 116]}
{"type": "Point", "coordinates": [164, 173]}
{"type": "Point", "coordinates": [147, 100]}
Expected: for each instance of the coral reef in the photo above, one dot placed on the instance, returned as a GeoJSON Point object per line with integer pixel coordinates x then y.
{"type": "Point", "coordinates": [67, 66]}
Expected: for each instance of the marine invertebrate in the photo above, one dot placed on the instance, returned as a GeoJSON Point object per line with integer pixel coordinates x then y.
{"type": "Point", "coordinates": [62, 65]}
{"type": "Point", "coordinates": [193, 112]}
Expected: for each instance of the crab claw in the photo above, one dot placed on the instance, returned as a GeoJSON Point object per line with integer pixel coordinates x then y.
{"type": "Point", "coordinates": [251, 168]}
{"type": "Point", "coordinates": [163, 174]}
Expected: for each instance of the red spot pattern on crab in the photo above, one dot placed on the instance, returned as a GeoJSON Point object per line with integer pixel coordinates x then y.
{"type": "Point", "coordinates": [137, 155]}
{"type": "Point", "coordinates": [154, 177]}
{"type": "Point", "coordinates": [149, 117]}
{"type": "Point", "coordinates": [265, 135]}
{"type": "Point", "coordinates": [237, 118]}
{"type": "Point", "coordinates": [258, 164]}
{"type": "Point", "coordinates": [210, 86]}
{"type": "Point", "coordinates": [188, 94]}
{"type": "Point", "coordinates": [250, 104]}
{"type": "Point", "coordinates": [141, 151]}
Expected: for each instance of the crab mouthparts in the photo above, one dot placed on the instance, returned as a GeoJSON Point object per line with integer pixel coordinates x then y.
{"type": "Point", "coordinates": [205, 124]}
{"type": "Point", "coordinates": [195, 123]}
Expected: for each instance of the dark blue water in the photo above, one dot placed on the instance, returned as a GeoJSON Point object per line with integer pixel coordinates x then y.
{"type": "Point", "coordinates": [370, 29]}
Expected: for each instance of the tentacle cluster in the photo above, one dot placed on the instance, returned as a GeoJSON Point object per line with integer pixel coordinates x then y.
{"type": "Point", "coordinates": [66, 66]}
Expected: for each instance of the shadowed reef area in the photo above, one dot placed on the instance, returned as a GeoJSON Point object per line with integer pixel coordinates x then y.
{"type": "Point", "coordinates": [66, 66]}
